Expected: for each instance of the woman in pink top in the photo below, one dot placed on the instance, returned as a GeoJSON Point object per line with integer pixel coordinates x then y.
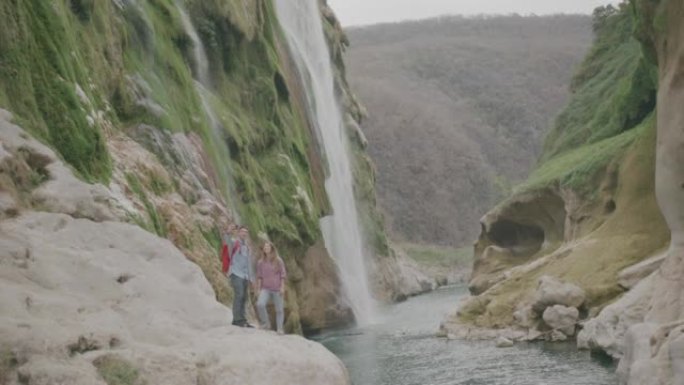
{"type": "Point", "coordinates": [271, 277]}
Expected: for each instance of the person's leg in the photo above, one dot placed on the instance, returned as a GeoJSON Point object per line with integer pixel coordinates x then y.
{"type": "Point", "coordinates": [243, 304]}
{"type": "Point", "coordinates": [264, 319]}
{"type": "Point", "coordinates": [280, 311]}
{"type": "Point", "coordinates": [238, 300]}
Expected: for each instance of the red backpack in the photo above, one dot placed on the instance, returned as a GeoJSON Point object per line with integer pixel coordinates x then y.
{"type": "Point", "coordinates": [227, 255]}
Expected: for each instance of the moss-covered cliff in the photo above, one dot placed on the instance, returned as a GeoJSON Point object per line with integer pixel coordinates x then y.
{"type": "Point", "coordinates": [588, 211]}
{"type": "Point", "coordinates": [114, 87]}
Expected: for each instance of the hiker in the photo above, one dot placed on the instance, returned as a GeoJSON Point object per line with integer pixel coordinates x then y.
{"type": "Point", "coordinates": [270, 283]}
{"type": "Point", "coordinates": [241, 275]}
{"type": "Point", "coordinates": [229, 246]}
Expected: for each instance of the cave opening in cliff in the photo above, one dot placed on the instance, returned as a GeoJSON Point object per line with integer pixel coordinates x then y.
{"type": "Point", "coordinates": [521, 239]}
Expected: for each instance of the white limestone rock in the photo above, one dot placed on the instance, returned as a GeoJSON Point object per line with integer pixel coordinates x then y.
{"type": "Point", "coordinates": [561, 318]}
{"type": "Point", "coordinates": [503, 342]}
{"type": "Point", "coordinates": [62, 192]}
{"type": "Point", "coordinates": [89, 289]}
{"type": "Point", "coordinates": [551, 291]}
{"type": "Point", "coordinates": [631, 276]}
{"type": "Point", "coordinates": [607, 331]}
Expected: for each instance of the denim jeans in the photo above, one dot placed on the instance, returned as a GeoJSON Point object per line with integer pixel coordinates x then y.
{"type": "Point", "coordinates": [264, 297]}
{"type": "Point", "coordinates": [240, 293]}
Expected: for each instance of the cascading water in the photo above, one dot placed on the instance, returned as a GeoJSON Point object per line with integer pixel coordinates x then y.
{"type": "Point", "coordinates": [203, 85]}
{"type": "Point", "coordinates": [301, 22]}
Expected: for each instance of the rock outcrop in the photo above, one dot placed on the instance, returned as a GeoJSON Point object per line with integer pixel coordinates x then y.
{"type": "Point", "coordinates": [654, 347]}
{"type": "Point", "coordinates": [187, 115]}
{"type": "Point", "coordinates": [644, 326]}
{"type": "Point", "coordinates": [86, 298]}
{"type": "Point", "coordinates": [588, 213]}
{"type": "Point", "coordinates": [561, 318]}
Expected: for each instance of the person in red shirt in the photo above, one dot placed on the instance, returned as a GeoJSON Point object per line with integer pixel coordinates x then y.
{"type": "Point", "coordinates": [271, 276]}
{"type": "Point", "coordinates": [228, 246]}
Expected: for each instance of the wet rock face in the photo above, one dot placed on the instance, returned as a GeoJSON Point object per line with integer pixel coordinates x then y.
{"type": "Point", "coordinates": [552, 291]}
{"type": "Point", "coordinates": [318, 288]}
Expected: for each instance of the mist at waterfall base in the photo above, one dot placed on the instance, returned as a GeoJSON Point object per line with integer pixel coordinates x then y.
{"type": "Point", "coordinates": [301, 23]}
{"type": "Point", "coordinates": [401, 349]}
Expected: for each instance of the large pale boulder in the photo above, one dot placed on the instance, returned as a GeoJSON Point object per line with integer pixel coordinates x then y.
{"type": "Point", "coordinates": [607, 331]}
{"type": "Point", "coordinates": [74, 291]}
{"type": "Point", "coordinates": [561, 318]}
{"type": "Point", "coordinates": [551, 291]}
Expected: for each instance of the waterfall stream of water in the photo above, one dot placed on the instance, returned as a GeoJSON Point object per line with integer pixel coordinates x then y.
{"type": "Point", "coordinates": [301, 22]}
{"type": "Point", "coordinates": [203, 86]}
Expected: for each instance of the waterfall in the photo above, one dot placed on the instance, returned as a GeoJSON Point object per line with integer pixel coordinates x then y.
{"type": "Point", "coordinates": [203, 86]}
{"type": "Point", "coordinates": [301, 22]}
{"type": "Point", "coordinates": [201, 70]}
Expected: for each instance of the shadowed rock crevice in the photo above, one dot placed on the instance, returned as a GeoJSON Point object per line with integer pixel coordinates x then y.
{"type": "Point", "coordinates": [519, 238]}
{"type": "Point", "coordinates": [516, 233]}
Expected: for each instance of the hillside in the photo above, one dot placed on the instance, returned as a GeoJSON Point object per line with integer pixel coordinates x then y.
{"type": "Point", "coordinates": [457, 112]}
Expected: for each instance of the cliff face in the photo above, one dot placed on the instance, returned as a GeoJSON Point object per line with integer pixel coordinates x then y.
{"type": "Point", "coordinates": [589, 210]}
{"type": "Point", "coordinates": [591, 213]}
{"type": "Point", "coordinates": [188, 110]}
{"type": "Point", "coordinates": [653, 344]}
{"type": "Point", "coordinates": [165, 117]}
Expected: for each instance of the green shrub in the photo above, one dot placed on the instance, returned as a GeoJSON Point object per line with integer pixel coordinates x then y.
{"type": "Point", "coordinates": [117, 371]}
{"type": "Point", "coordinates": [613, 91]}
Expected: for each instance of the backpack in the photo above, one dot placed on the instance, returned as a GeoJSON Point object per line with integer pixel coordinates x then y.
{"type": "Point", "coordinates": [227, 255]}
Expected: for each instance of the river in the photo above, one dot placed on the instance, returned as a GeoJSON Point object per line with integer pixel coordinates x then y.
{"type": "Point", "coordinates": [401, 350]}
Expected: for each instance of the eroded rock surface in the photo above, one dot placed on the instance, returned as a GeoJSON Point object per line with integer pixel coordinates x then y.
{"type": "Point", "coordinates": [653, 349]}
{"type": "Point", "coordinates": [74, 290]}
{"type": "Point", "coordinates": [552, 291]}
{"type": "Point", "coordinates": [561, 318]}
{"type": "Point", "coordinates": [84, 293]}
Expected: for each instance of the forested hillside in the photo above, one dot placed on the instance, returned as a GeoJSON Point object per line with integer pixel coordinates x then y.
{"type": "Point", "coordinates": [458, 108]}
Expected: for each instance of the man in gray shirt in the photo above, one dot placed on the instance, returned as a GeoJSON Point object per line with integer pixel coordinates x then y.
{"type": "Point", "coordinates": [241, 274]}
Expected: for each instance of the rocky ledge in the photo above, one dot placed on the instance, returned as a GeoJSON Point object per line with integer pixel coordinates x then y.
{"type": "Point", "coordinates": [88, 300]}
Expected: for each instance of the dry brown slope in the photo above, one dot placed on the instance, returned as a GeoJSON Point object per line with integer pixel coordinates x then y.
{"type": "Point", "coordinates": [457, 110]}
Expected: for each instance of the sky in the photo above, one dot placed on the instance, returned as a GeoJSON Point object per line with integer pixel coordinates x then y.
{"type": "Point", "coordinates": [363, 12]}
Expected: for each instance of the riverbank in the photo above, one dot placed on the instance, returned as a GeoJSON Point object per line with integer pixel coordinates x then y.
{"type": "Point", "coordinates": [446, 265]}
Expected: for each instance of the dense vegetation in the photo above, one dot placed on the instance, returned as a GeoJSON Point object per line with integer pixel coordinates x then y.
{"type": "Point", "coordinates": [458, 109]}
{"type": "Point", "coordinates": [613, 99]}
{"type": "Point", "coordinates": [73, 70]}
{"type": "Point", "coordinates": [80, 75]}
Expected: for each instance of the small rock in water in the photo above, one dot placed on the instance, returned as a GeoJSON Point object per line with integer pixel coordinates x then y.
{"type": "Point", "coordinates": [503, 342]}
{"type": "Point", "coordinates": [558, 335]}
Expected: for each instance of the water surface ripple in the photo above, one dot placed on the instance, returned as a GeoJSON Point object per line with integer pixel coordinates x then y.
{"type": "Point", "coordinates": [401, 350]}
